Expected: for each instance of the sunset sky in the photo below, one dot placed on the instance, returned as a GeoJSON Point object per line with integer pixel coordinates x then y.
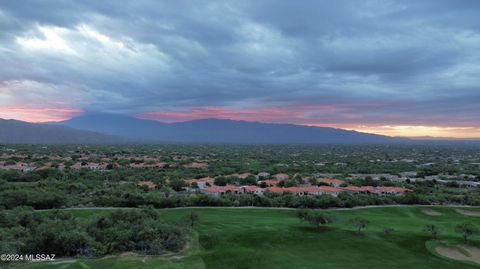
{"type": "Point", "coordinates": [407, 68]}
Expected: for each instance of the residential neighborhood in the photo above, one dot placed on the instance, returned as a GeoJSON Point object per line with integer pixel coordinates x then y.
{"type": "Point", "coordinates": [333, 187]}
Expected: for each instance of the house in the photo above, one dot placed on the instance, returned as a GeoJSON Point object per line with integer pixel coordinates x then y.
{"type": "Point", "coordinates": [331, 181]}
{"type": "Point", "coordinates": [201, 182]}
{"type": "Point", "coordinates": [330, 190]}
{"type": "Point", "coordinates": [281, 176]}
{"type": "Point", "coordinates": [352, 189]}
{"type": "Point", "coordinates": [96, 166]}
{"type": "Point", "coordinates": [148, 183]}
{"type": "Point", "coordinates": [361, 189]}
{"type": "Point", "coordinates": [221, 190]}
{"type": "Point", "coordinates": [275, 189]}
{"type": "Point", "coordinates": [19, 166]}
{"type": "Point", "coordinates": [262, 175]}
{"type": "Point", "coordinates": [91, 166]}
{"type": "Point", "coordinates": [253, 189]}
{"type": "Point", "coordinates": [271, 182]}
{"type": "Point", "coordinates": [295, 190]}
{"type": "Point", "coordinates": [312, 190]}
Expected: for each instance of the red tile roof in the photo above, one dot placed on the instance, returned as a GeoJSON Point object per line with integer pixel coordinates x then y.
{"type": "Point", "coordinates": [330, 189]}
{"type": "Point", "coordinates": [359, 189]}
{"type": "Point", "coordinates": [275, 189]}
{"type": "Point", "coordinates": [203, 179]}
{"type": "Point", "coordinates": [251, 188]}
{"type": "Point", "coordinates": [352, 188]}
{"type": "Point", "coordinates": [312, 189]}
{"type": "Point", "coordinates": [331, 181]}
{"type": "Point", "coordinates": [294, 190]}
{"type": "Point", "coordinates": [221, 189]}
{"type": "Point", "coordinates": [272, 182]}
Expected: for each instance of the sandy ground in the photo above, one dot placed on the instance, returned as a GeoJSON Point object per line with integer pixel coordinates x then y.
{"type": "Point", "coordinates": [431, 212]}
{"type": "Point", "coordinates": [456, 253]}
{"type": "Point", "coordinates": [468, 212]}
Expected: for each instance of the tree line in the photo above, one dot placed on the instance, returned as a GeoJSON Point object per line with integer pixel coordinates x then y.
{"type": "Point", "coordinates": [58, 232]}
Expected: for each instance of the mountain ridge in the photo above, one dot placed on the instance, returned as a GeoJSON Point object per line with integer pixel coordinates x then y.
{"type": "Point", "coordinates": [21, 132]}
{"type": "Point", "coordinates": [212, 130]}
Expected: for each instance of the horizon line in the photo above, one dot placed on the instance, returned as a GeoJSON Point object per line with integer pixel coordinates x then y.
{"type": "Point", "coordinates": [424, 137]}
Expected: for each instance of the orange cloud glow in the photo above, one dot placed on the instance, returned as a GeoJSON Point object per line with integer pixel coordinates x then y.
{"type": "Point", "coordinates": [411, 130]}
{"type": "Point", "coordinates": [328, 116]}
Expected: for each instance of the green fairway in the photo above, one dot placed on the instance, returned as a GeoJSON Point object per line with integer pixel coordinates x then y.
{"type": "Point", "coordinates": [274, 238]}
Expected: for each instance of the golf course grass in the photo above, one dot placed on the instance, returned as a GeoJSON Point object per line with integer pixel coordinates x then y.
{"type": "Point", "coordinates": [274, 238]}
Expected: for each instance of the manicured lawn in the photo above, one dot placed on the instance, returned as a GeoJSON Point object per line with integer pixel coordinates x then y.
{"type": "Point", "coordinates": [274, 238]}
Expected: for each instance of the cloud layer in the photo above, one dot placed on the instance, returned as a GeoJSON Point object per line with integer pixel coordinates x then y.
{"type": "Point", "coordinates": [381, 66]}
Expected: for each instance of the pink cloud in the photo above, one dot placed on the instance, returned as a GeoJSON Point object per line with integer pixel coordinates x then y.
{"type": "Point", "coordinates": [290, 114]}
{"type": "Point", "coordinates": [32, 114]}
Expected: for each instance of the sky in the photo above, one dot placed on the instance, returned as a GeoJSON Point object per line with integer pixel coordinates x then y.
{"type": "Point", "coordinates": [401, 68]}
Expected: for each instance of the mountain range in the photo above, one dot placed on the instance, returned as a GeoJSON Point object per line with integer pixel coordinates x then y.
{"type": "Point", "coordinates": [113, 128]}
{"type": "Point", "coordinates": [20, 132]}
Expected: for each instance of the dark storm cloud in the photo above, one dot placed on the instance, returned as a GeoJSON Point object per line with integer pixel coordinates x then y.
{"type": "Point", "coordinates": [405, 62]}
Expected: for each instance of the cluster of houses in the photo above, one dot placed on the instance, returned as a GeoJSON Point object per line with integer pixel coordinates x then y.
{"type": "Point", "coordinates": [330, 186]}
{"type": "Point", "coordinates": [305, 190]}
{"type": "Point", "coordinates": [95, 162]}
{"type": "Point", "coordinates": [18, 166]}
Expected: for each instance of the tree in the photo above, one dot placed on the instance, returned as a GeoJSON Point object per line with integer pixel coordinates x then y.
{"type": "Point", "coordinates": [192, 217]}
{"type": "Point", "coordinates": [177, 184]}
{"type": "Point", "coordinates": [432, 229]}
{"type": "Point", "coordinates": [221, 181]}
{"type": "Point", "coordinates": [250, 180]}
{"type": "Point", "coordinates": [466, 229]}
{"type": "Point", "coordinates": [359, 223]}
{"type": "Point", "coordinates": [318, 218]}
{"type": "Point", "coordinates": [314, 217]}
{"type": "Point", "coordinates": [302, 214]}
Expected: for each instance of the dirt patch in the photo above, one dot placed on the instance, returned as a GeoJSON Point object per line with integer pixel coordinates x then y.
{"type": "Point", "coordinates": [431, 212]}
{"type": "Point", "coordinates": [469, 213]}
{"type": "Point", "coordinates": [460, 253]}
